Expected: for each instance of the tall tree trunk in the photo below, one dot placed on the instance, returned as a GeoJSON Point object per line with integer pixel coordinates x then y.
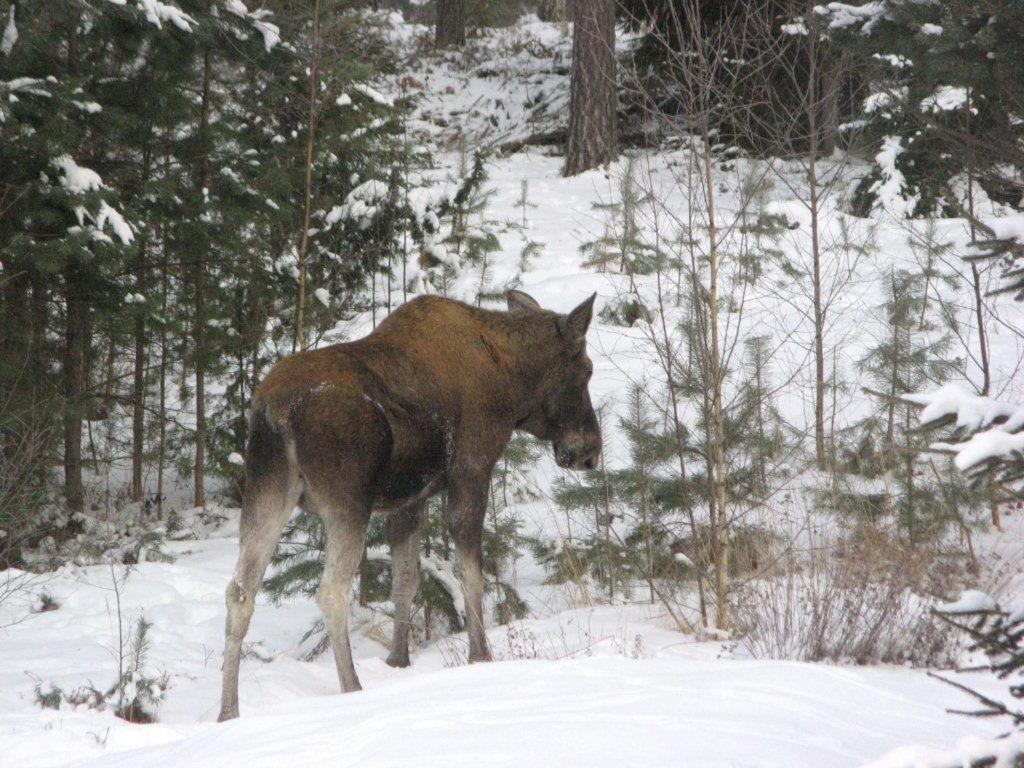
{"type": "Point", "coordinates": [139, 372]}
{"type": "Point", "coordinates": [199, 292]}
{"type": "Point", "coordinates": [721, 517]}
{"type": "Point", "coordinates": [593, 137]}
{"type": "Point", "coordinates": [451, 24]}
{"type": "Point", "coordinates": [38, 358]}
{"type": "Point", "coordinates": [162, 405]}
{"type": "Point", "coordinates": [314, 89]}
{"type": "Point", "coordinates": [74, 374]}
{"type": "Point", "coordinates": [138, 401]}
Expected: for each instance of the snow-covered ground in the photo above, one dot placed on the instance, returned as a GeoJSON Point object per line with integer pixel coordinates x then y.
{"type": "Point", "coordinates": [603, 686]}
{"type": "Point", "coordinates": [575, 684]}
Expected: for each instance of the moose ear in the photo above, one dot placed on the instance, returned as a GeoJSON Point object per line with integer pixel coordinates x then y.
{"type": "Point", "coordinates": [575, 324]}
{"type": "Point", "coordinates": [520, 302]}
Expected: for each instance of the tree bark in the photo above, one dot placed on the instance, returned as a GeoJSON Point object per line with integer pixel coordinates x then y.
{"type": "Point", "coordinates": [76, 341]}
{"type": "Point", "coordinates": [199, 289]}
{"type": "Point", "coordinates": [720, 518]}
{"type": "Point", "coordinates": [451, 24]}
{"type": "Point", "coordinates": [138, 398]}
{"type": "Point", "coordinates": [314, 87]}
{"type": "Point", "coordinates": [593, 137]}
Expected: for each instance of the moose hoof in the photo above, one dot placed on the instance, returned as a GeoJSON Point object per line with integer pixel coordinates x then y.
{"type": "Point", "coordinates": [398, 660]}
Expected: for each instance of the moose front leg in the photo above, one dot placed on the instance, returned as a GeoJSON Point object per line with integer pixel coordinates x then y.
{"type": "Point", "coordinates": [467, 506]}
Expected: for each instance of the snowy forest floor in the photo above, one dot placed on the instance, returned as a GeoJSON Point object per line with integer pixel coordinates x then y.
{"type": "Point", "coordinates": [601, 686]}
{"type": "Point", "coordinates": [574, 684]}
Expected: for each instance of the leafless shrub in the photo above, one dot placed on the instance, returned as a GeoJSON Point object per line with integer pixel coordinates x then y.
{"type": "Point", "coordinates": [865, 602]}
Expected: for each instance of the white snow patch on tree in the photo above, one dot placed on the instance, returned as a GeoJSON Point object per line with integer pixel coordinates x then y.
{"type": "Point", "coordinates": [843, 15]}
{"type": "Point", "coordinates": [158, 12]}
{"type": "Point", "coordinates": [271, 33]}
{"type": "Point", "coordinates": [10, 33]}
{"type": "Point", "coordinates": [896, 61]}
{"type": "Point", "coordinates": [972, 412]}
{"type": "Point", "coordinates": [442, 571]}
{"type": "Point", "coordinates": [880, 100]}
{"type": "Point", "coordinates": [89, 107]}
{"type": "Point", "coordinates": [996, 426]}
{"type": "Point", "coordinates": [361, 204]}
{"type": "Point", "coordinates": [990, 444]}
{"type": "Point", "coordinates": [1008, 227]}
{"type": "Point", "coordinates": [946, 98]}
{"type": "Point", "coordinates": [890, 189]}
{"type": "Point", "coordinates": [932, 30]}
{"type": "Point", "coordinates": [373, 94]}
{"type": "Point", "coordinates": [109, 215]}
{"type": "Point", "coordinates": [971, 601]}
{"type": "Point", "coordinates": [323, 296]}
{"type": "Point", "coordinates": [75, 178]}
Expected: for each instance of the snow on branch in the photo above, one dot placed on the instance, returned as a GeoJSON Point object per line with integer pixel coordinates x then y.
{"type": "Point", "coordinates": [441, 571]}
{"type": "Point", "coordinates": [1003, 240]}
{"type": "Point", "coordinates": [75, 178]}
{"type": "Point", "coordinates": [987, 435]}
{"type": "Point", "coordinates": [271, 32]}
{"type": "Point", "coordinates": [844, 15]}
{"type": "Point", "coordinates": [157, 12]}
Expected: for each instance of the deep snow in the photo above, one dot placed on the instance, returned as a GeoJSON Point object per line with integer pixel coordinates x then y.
{"type": "Point", "coordinates": [604, 686]}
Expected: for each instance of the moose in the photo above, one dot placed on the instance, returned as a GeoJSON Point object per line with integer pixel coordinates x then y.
{"type": "Point", "coordinates": [425, 403]}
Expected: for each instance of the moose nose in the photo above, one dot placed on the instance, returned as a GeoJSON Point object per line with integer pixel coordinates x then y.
{"type": "Point", "coordinates": [588, 459]}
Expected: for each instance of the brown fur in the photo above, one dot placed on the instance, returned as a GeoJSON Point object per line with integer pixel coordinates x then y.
{"type": "Point", "coordinates": [426, 402]}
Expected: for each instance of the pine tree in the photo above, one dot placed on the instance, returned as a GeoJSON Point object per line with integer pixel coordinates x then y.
{"type": "Point", "coordinates": [623, 247]}
{"type": "Point", "coordinates": [912, 354]}
{"type": "Point", "coordinates": [943, 93]}
{"type": "Point", "coordinates": [151, 169]}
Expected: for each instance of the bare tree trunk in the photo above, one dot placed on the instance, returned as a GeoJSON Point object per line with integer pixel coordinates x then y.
{"type": "Point", "coordinates": [814, 205]}
{"type": "Point", "coordinates": [451, 24]}
{"type": "Point", "coordinates": [75, 370]}
{"type": "Point", "coordinates": [721, 533]}
{"type": "Point", "coordinates": [593, 137]}
{"type": "Point", "coordinates": [314, 87]}
{"type": "Point", "coordinates": [680, 438]}
{"type": "Point", "coordinates": [138, 403]}
{"type": "Point", "coordinates": [199, 286]}
{"type": "Point", "coordinates": [162, 407]}
{"type": "Point", "coordinates": [606, 492]}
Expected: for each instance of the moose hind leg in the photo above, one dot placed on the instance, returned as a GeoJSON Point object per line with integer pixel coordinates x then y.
{"type": "Point", "coordinates": [404, 540]}
{"type": "Point", "coordinates": [467, 506]}
{"type": "Point", "coordinates": [345, 539]}
{"type": "Point", "coordinates": [264, 512]}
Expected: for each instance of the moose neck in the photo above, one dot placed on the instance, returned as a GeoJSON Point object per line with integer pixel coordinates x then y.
{"type": "Point", "coordinates": [531, 349]}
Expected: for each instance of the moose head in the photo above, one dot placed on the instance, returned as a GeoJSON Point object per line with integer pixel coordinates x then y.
{"type": "Point", "coordinates": [561, 411]}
